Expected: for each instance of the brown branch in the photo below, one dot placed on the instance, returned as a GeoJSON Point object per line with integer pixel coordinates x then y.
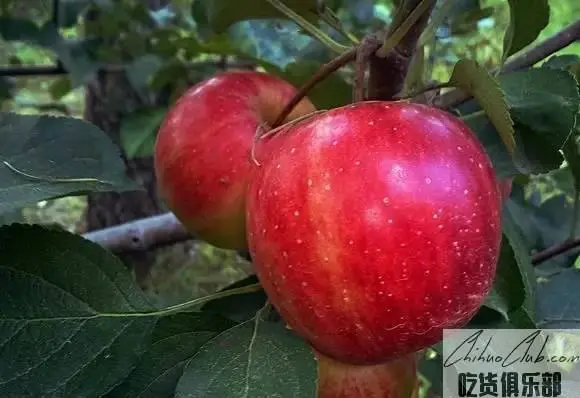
{"type": "Point", "coordinates": [164, 230]}
{"type": "Point", "coordinates": [321, 74]}
{"type": "Point", "coordinates": [368, 45]}
{"type": "Point", "coordinates": [558, 41]}
{"type": "Point", "coordinates": [387, 74]}
{"type": "Point", "coordinates": [141, 235]}
{"type": "Point", "coordinates": [555, 250]}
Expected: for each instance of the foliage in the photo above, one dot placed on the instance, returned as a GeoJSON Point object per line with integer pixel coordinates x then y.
{"type": "Point", "coordinates": [69, 308]}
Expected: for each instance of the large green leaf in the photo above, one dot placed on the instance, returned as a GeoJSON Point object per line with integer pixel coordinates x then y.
{"type": "Point", "coordinates": [72, 321]}
{"type": "Point", "coordinates": [174, 341]}
{"type": "Point", "coordinates": [73, 56]}
{"type": "Point", "coordinates": [516, 239]}
{"type": "Point", "coordinates": [544, 104]}
{"type": "Point", "coordinates": [138, 131]}
{"type": "Point", "coordinates": [221, 14]}
{"type": "Point", "coordinates": [527, 19]}
{"type": "Point", "coordinates": [558, 301]}
{"type": "Point", "coordinates": [255, 359]}
{"type": "Point", "coordinates": [240, 307]}
{"type": "Point", "coordinates": [508, 292]}
{"type": "Point", "coordinates": [545, 100]}
{"type": "Point", "coordinates": [44, 157]}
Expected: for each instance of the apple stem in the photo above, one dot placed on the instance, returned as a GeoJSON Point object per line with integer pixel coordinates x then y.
{"type": "Point", "coordinates": [325, 70]}
{"type": "Point", "coordinates": [397, 378]}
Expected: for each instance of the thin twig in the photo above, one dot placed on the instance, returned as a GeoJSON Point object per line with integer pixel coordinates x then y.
{"type": "Point", "coordinates": [322, 73]}
{"type": "Point", "coordinates": [560, 40]}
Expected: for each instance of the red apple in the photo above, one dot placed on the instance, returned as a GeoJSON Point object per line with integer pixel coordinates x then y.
{"type": "Point", "coordinates": [373, 227]}
{"type": "Point", "coordinates": [202, 153]}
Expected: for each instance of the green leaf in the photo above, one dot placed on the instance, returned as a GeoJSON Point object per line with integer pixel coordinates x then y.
{"type": "Point", "coordinates": [45, 157]}
{"type": "Point", "coordinates": [60, 87]}
{"type": "Point", "coordinates": [221, 14]}
{"type": "Point", "coordinates": [330, 93]}
{"type": "Point", "coordinates": [527, 19]}
{"type": "Point", "coordinates": [516, 239]}
{"type": "Point", "coordinates": [140, 71]}
{"type": "Point", "coordinates": [508, 292]}
{"type": "Point", "coordinates": [240, 307]}
{"type": "Point", "coordinates": [475, 80]}
{"type": "Point", "coordinates": [255, 359]}
{"type": "Point", "coordinates": [567, 62]}
{"type": "Point", "coordinates": [74, 56]}
{"type": "Point", "coordinates": [558, 304]}
{"type": "Point", "coordinates": [138, 131]}
{"type": "Point", "coordinates": [544, 104]}
{"type": "Point", "coordinates": [175, 340]}
{"type": "Point", "coordinates": [545, 100]}
{"type": "Point", "coordinates": [68, 311]}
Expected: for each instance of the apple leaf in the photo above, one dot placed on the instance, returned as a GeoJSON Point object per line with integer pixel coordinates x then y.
{"type": "Point", "coordinates": [68, 310]}
{"type": "Point", "coordinates": [545, 100]}
{"type": "Point", "coordinates": [254, 359]}
{"type": "Point", "coordinates": [45, 157]}
{"type": "Point", "coordinates": [475, 80]}
{"type": "Point", "coordinates": [527, 19]}
{"type": "Point", "coordinates": [140, 71]}
{"type": "Point", "coordinates": [544, 104]}
{"type": "Point", "coordinates": [138, 131]}
{"type": "Point", "coordinates": [221, 14]}
{"type": "Point", "coordinates": [558, 304]}
{"type": "Point", "coordinates": [174, 341]}
{"type": "Point", "coordinates": [240, 307]}
{"type": "Point", "coordinates": [515, 237]}
{"type": "Point", "coordinates": [508, 292]}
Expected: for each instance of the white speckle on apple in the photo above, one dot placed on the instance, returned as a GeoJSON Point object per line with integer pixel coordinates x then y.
{"type": "Point", "coordinates": [427, 180]}
{"type": "Point", "coordinates": [309, 182]}
{"type": "Point", "coordinates": [390, 220]}
{"type": "Point", "coordinates": [459, 148]}
{"type": "Point", "coordinates": [299, 241]}
{"type": "Point", "coordinates": [292, 150]}
{"type": "Point", "coordinates": [327, 187]}
{"type": "Point", "coordinates": [296, 213]}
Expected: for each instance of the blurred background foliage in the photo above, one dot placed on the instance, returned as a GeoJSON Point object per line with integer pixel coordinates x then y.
{"type": "Point", "coordinates": [167, 50]}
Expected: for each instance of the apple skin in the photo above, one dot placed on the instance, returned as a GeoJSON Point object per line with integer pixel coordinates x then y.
{"type": "Point", "coordinates": [375, 226]}
{"type": "Point", "coordinates": [202, 152]}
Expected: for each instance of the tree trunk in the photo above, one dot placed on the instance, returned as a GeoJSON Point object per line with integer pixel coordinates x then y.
{"type": "Point", "coordinates": [108, 99]}
{"type": "Point", "coordinates": [113, 208]}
